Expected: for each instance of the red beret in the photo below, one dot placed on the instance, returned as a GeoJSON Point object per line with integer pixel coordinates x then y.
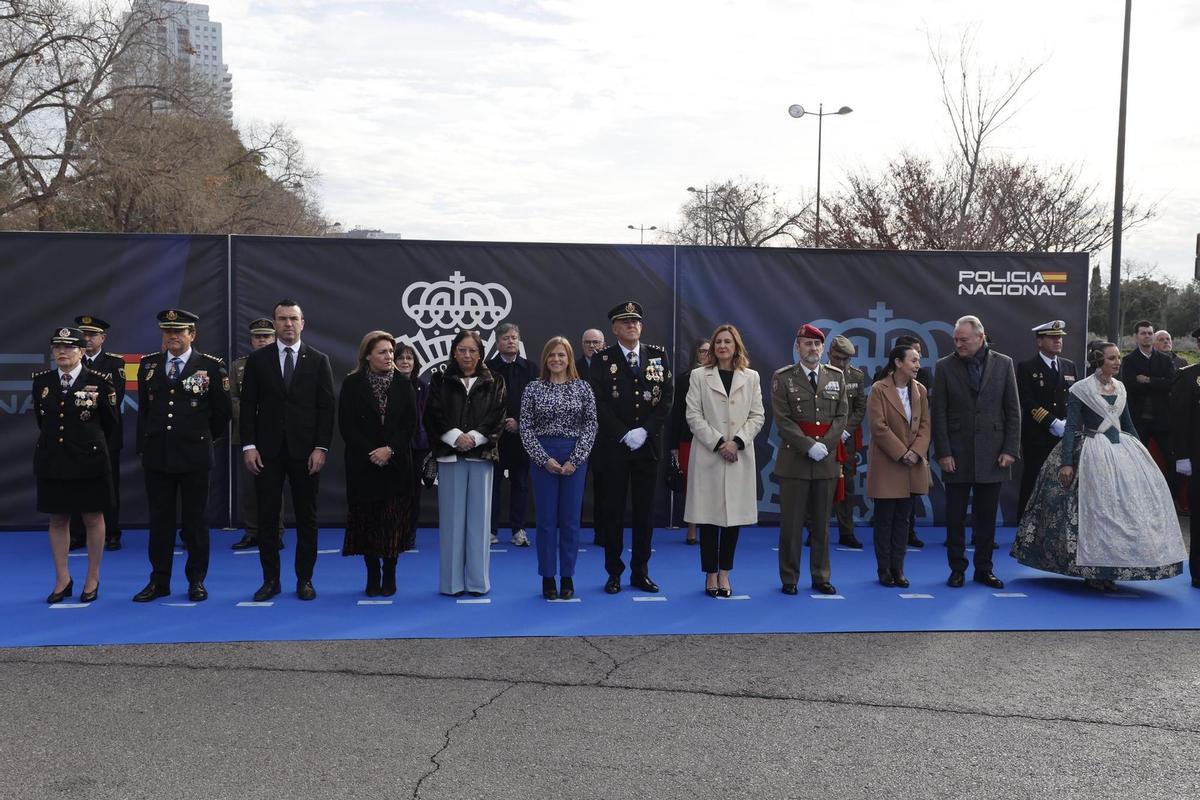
{"type": "Point", "coordinates": [810, 332]}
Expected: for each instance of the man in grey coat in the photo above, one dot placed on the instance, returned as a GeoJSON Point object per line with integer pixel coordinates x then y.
{"type": "Point", "coordinates": [977, 438]}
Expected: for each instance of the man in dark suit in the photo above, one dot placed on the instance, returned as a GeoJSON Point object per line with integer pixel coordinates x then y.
{"type": "Point", "coordinates": [1042, 385]}
{"type": "Point", "coordinates": [262, 334]}
{"type": "Point", "coordinates": [633, 387]}
{"type": "Point", "coordinates": [977, 438]}
{"type": "Point", "coordinates": [592, 342]}
{"type": "Point", "coordinates": [95, 333]}
{"type": "Point", "coordinates": [286, 428]}
{"type": "Point", "coordinates": [512, 460]}
{"type": "Point", "coordinates": [183, 405]}
{"type": "Point", "coordinates": [1185, 430]}
{"type": "Point", "coordinates": [1148, 374]}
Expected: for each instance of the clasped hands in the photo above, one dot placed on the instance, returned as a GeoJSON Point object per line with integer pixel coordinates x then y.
{"type": "Point", "coordinates": [254, 462]}
{"type": "Point", "coordinates": [635, 438]}
{"type": "Point", "coordinates": [554, 468]}
{"type": "Point", "coordinates": [947, 462]}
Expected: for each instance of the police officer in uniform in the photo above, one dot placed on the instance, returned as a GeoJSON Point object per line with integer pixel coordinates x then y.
{"type": "Point", "coordinates": [1185, 432]}
{"type": "Point", "coordinates": [262, 334]}
{"type": "Point", "coordinates": [183, 405]}
{"type": "Point", "coordinates": [1042, 385]}
{"type": "Point", "coordinates": [841, 350]}
{"type": "Point", "coordinates": [75, 411]}
{"type": "Point", "coordinates": [810, 410]}
{"type": "Point", "coordinates": [633, 387]}
{"type": "Point", "coordinates": [95, 333]}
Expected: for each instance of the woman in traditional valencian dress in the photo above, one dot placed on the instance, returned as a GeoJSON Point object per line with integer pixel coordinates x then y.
{"type": "Point", "coordinates": [1101, 509]}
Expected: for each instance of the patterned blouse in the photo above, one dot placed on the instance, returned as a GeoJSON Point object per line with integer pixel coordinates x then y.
{"type": "Point", "coordinates": [565, 410]}
{"type": "Point", "coordinates": [381, 383]}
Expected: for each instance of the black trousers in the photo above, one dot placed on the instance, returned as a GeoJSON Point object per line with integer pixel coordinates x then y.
{"type": "Point", "coordinates": [984, 498]}
{"type": "Point", "coordinates": [269, 487]}
{"type": "Point", "coordinates": [717, 545]}
{"type": "Point", "coordinates": [518, 494]}
{"type": "Point", "coordinates": [112, 517]}
{"type": "Point", "coordinates": [891, 534]}
{"type": "Point", "coordinates": [622, 477]}
{"type": "Point", "coordinates": [171, 494]}
{"type": "Point", "coordinates": [1194, 506]}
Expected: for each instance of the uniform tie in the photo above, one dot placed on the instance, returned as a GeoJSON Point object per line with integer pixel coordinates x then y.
{"type": "Point", "coordinates": [812, 379]}
{"type": "Point", "coordinates": [66, 382]}
{"type": "Point", "coordinates": [1054, 367]}
{"type": "Point", "coordinates": [289, 366]}
{"type": "Point", "coordinates": [633, 361]}
{"type": "Point", "coordinates": [176, 368]}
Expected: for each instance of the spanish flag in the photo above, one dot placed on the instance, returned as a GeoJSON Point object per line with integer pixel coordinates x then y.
{"type": "Point", "coordinates": [1054, 277]}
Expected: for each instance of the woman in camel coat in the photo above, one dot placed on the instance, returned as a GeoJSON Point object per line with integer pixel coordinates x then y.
{"type": "Point", "coordinates": [725, 413]}
{"type": "Point", "coordinates": [897, 468]}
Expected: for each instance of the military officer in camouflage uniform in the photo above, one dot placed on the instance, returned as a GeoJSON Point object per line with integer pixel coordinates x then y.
{"type": "Point", "coordinates": [841, 350]}
{"type": "Point", "coordinates": [183, 405]}
{"type": "Point", "coordinates": [809, 406]}
{"type": "Point", "coordinates": [1042, 385]}
{"type": "Point", "coordinates": [262, 333]}
{"type": "Point", "coordinates": [633, 387]}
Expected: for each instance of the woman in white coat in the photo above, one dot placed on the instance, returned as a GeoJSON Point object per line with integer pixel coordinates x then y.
{"type": "Point", "coordinates": [725, 413]}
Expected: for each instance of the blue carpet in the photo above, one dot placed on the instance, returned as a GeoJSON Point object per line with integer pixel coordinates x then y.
{"type": "Point", "coordinates": [1030, 601]}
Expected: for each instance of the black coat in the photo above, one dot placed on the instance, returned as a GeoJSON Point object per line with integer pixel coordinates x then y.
{"type": "Point", "coordinates": [678, 430]}
{"type": "Point", "coordinates": [363, 431]}
{"type": "Point", "coordinates": [450, 407]}
{"type": "Point", "coordinates": [1149, 403]}
{"type": "Point", "coordinates": [114, 367]}
{"type": "Point", "coordinates": [176, 426]}
{"type": "Point", "coordinates": [1185, 415]}
{"type": "Point", "coordinates": [517, 375]}
{"type": "Point", "coordinates": [69, 446]}
{"type": "Point", "coordinates": [1043, 396]}
{"type": "Point", "coordinates": [300, 416]}
{"type": "Point", "coordinates": [625, 401]}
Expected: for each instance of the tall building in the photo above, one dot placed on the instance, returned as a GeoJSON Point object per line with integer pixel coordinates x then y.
{"type": "Point", "coordinates": [185, 36]}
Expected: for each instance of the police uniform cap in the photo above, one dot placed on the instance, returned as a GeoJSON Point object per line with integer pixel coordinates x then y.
{"type": "Point", "coordinates": [71, 336]}
{"type": "Point", "coordinates": [626, 310]}
{"type": "Point", "coordinates": [842, 345]}
{"type": "Point", "coordinates": [1055, 327]}
{"type": "Point", "coordinates": [91, 324]}
{"type": "Point", "coordinates": [176, 319]}
{"type": "Point", "coordinates": [262, 325]}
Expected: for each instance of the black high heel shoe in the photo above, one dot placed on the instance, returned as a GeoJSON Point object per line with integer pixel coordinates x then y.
{"type": "Point", "coordinates": [67, 591]}
{"type": "Point", "coordinates": [724, 591]}
{"type": "Point", "coordinates": [92, 596]}
{"type": "Point", "coordinates": [567, 590]}
{"type": "Point", "coordinates": [549, 590]}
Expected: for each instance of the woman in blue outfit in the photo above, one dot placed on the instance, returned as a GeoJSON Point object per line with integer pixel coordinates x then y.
{"type": "Point", "coordinates": [558, 428]}
{"type": "Point", "coordinates": [1101, 509]}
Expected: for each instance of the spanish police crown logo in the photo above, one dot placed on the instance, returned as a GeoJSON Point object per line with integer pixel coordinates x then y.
{"type": "Point", "coordinates": [171, 315]}
{"type": "Point", "coordinates": [86, 320]}
{"type": "Point", "coordinates": [443, 308]}
{"type": "Point", "coordinates": [64, 332]}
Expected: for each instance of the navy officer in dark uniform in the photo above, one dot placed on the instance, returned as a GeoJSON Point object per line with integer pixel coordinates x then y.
{"type": "Point", "coordinates": [183, 405]}
{"type": "Point", "coordinates": [633, 387]}
{"type": "Point", "coordinates": [1185, 433]}
{"type": "Point", "coordinates": [75, 409]}
{"type": "Point", "coordinates": [95, 334]}
{"type": "Point", "coordinates": [1042, 385]}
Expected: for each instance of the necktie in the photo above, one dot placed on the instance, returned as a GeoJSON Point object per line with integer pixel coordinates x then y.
{"type": "Point", "coordinates": [812, 379]}
{"type": "Point", "coordinates": [66, 383]}
{"type": "Point", "coordinates": [289, 366]}
{"type": "Point", "coordinates": [633, 361]}
{"type": "Point", "coordinates": [1054, 368]}
{"type": "Point", "coordinates": [90, 361]}
{"type": "Point", "coordinates": [176, 368]}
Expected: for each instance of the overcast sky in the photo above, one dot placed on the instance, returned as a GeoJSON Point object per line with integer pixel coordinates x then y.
{"type": "Point", "coordinates": [567, 121]}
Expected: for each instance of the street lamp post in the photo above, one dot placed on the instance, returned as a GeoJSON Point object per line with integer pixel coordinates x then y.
{"type": "Point", "coordinates": [707, 211]}
{"type": "Point", "coordinates": [797, 112]}
{"type": "Point", "coordinates": [641, 229]}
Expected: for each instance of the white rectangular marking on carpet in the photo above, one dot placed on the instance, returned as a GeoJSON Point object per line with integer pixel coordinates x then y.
{"type": "Point", "coordinates": [569, 600]}
{"type": "Point", "coordinates": [499, 550]}
{"type": "Point", "coordinates": [179, 605]}
{"type": "Point", "coordinates": [255, 604]}
{"type": "Point", "coordinates": [736, 597]}
{"type": "Point", "coordinates": [474, 601]}
{"type": "Point", "coordinates": [827, 597]}
{"type": "Point", "coordinates": [246, 552]}
{"type": "Point", "coordinates": [649, 599]}
{"type": "Point", "coordinates": [374, 602]}
{"type": "Point", "coordinates": [1009, 594]}
{"type": "Point", "coordinates": [326, 552]}
{"type": "Point", "coordinates": [68, 605]}
{"type": "Point", "coordinates": [915, 596]}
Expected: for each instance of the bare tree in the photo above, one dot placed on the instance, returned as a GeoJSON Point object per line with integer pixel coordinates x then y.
{"type": "Point", "coordinates": [738, 213]}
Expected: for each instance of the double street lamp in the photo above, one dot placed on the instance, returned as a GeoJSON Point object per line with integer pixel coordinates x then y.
{"type": "Point", "coordinates": [797, 112]}
{"type": "Point", "coordinates": [708, 234]}
{"type": "Point", "coordinates": [641, 229]}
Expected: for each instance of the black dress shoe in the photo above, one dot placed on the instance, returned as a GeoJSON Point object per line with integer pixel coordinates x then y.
{"type": "Point", "coordinates": [269, 589]}
{"type": "Point", "coordinates": [901, 581]}
{"type": "Point", "coordinates": [824, 587]}
{"type": "Point", "coordinates": [886, 579]}
{"type": "Point", "coordinates": [549, 590]}
{"type": "Point", "coordinates": [988, 579]}
{"type": "Point", "coordinates": [245, 543]}
{"type": "Point", "coordinates": [197, 593]}
{"type": "Point", "coordinates": [153, 591]}
{"type": "Point", "coordinates": [955, 581]}
{"type": "Point", "coordinates": [1196, 583]}
{"type": "Point", "coordinates": [712, 591]}
{"type": "Point", "coordinates": [644, 583]}
{"type": "Point", "coordinates": [567, 589]}
{"type": "Point", "coordinates": [726, 591]}
{"type": "Point", "coordinates": [613, 584]}
{"type": "Point", "coordinates": [914, 542]}
{"type": "Point", "coordinates": [92, 596]}
{"type": "Point", "coordinates": [305, 590]}
{"type": "Point", "coordinates": [850, 541]}
{"type": "Point", "coordinates": [789, 588]}
{"type": "Point", "coordinates": [112, 544]}
{"type": "Point", "coordinates": [58, 597]}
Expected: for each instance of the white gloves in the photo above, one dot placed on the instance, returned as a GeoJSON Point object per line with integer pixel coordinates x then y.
{"type": "Point", "coordinates": [845, 436]}
{"type": "Point", "coordinates": [1057, 427]}
{"type": "Point", "coordinates": [634, 439]}
{"type": "Point", "coordinates": [818, 451]}
{"type": "Point", "coordinates": [1184, 466]}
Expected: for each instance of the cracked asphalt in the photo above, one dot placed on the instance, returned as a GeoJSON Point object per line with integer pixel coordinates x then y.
{"type": "Point", "coordinates": [922, 715]}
